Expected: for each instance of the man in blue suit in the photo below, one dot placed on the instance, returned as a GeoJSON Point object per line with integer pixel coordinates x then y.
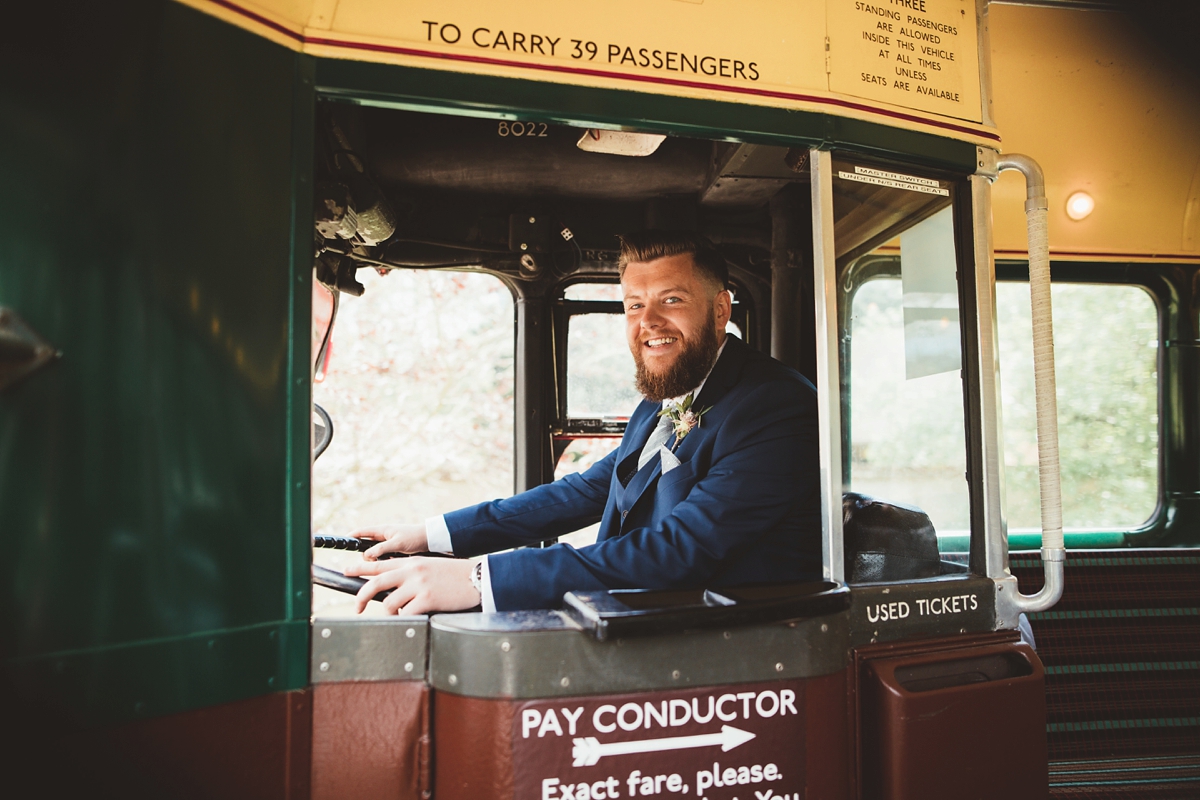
{"type": "Point", "coordinates": [715, 482]}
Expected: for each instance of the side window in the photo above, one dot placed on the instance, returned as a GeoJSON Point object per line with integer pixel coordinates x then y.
{"type": "Point", "coordinates": [419, 384]}
{"type": "Point", "coordinates": [907, 433]}
{"type": "Point", "coordinates": [903, 412]}
{"type": "Point", "coordinates": [596, 390]}
{"type": "Point", "coordinates": [1105, 356]}
{"type": "Point", "coordinates": [599, 367]}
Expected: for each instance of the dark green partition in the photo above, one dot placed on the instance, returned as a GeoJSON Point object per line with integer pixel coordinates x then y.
{"type": "Point", "coordinates": [154, 480]}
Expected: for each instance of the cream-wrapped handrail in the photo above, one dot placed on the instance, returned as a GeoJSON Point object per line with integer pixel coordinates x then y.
{"type": "Point", "coordinates": [1046, 403]}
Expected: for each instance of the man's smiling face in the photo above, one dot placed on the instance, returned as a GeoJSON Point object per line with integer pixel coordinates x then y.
{"type": "Point", "coordinates": [675, 321]}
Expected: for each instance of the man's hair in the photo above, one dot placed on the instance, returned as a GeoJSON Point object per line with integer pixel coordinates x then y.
{"type": "Point", "coordinates": [651, 244]}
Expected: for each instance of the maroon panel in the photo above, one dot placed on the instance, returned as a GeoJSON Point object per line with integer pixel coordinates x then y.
{"type": "Point", "coordinates": [828, 741]}
{"type": "Point", "coordinates": [472, 754]}
{"type": "Point", "coordinates": [370, 741]}
{"type": "Point", "coordinates": [940, 725]}
{"type": "Point", "coordinates": [257, 749]}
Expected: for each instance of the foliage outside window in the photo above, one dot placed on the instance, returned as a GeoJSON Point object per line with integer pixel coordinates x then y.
{"type": "Point", "coordinates": [420, 389]}
{"type": "Point", "coordinates": [907, 437]}
{"type": "Point", "coordinates": [1106, 349]}
{"type": "Point", "coordinates": [600, 368]}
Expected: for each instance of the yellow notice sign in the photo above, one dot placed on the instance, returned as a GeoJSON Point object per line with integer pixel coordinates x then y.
{"type": "Point", "coordinates": [920, 54]}
{"type": "Point", "coordinates": [748, 46]}
{"type": "Point", "coordinates": [905, 62]}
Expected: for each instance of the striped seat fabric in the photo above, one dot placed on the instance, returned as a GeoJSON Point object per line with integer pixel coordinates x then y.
{"type": "Point", "coordinates": [1122, 657]}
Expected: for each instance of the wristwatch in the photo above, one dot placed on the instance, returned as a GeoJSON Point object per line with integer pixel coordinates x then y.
{"type": "Point", "coordinates": [477, 577]}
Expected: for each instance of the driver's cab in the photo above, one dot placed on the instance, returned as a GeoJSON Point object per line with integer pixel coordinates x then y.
{"type": "Point", "coordinates": [469, 344]}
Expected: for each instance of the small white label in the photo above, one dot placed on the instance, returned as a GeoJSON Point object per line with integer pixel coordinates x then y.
{"type": "Point", "coordinates": [899, 182]}
{"type": "Point", "coordinates": [896, 176]}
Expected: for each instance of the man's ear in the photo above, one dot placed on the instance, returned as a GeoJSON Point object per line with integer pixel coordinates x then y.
{"type": "Point", "coordinates": [723, 308]}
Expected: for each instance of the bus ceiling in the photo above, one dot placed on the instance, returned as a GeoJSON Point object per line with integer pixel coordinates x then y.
{"type": "Point", "coordinates": [408, 189]}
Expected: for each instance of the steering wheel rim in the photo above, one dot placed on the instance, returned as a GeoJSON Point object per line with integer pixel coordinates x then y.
{"type": "Point", "coordinates": [322, 432]}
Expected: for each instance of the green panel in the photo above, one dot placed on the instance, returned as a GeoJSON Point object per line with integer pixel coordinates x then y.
{"type": "Point", "coordinates": [451, 92]}
{"type": "Point", "coordinates": [1075, 540]}
{"type": "Point", "coordinates": [153, 482]}
{"type": "Point", "coordinates": [153, 678]}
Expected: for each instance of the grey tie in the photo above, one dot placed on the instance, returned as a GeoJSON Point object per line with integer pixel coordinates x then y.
{"type": "Point", "coordinates": [658, 437]}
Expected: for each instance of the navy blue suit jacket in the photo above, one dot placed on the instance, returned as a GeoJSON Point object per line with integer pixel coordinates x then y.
{"type": "Point", "coordinates": [743, 507]}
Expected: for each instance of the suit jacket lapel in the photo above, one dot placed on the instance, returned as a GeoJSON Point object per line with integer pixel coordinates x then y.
{"type": "Point", "coordinates": [724, 376]}
{"type": "Point", "coordinates": [725, 373]}
{"type": "Point", "coordinates": [636, 434]}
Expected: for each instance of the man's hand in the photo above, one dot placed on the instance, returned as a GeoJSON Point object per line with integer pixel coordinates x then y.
{"type": "Point", "coordinates": [420, 585]}
{"type": "Point", "coordinates": [393, 539]}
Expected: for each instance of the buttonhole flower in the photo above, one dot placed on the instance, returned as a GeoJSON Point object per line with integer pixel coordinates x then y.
{"type": "Point", "coordinates": [684, 418]}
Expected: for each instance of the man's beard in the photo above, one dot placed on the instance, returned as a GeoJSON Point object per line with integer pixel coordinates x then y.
{"type": "Point", "coordinates": [690, 367]}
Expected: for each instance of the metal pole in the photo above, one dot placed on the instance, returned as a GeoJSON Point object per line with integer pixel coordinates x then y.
{"type": "Point", "coordinates": [995, 528]}
{"type": "Point", "coordinates": [829, 406]}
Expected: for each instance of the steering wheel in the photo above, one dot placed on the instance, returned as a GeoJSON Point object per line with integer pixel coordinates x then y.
{"type": "Point", "coordinates": [332, 579]}
{"type": "Point", "coordinates": [322, 431]}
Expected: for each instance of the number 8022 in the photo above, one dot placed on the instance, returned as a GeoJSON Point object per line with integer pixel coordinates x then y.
{"type": "Point", "coordinates": [522, 129]}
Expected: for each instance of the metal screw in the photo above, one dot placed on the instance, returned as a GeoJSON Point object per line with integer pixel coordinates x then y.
{"type": "Point", "coordinates": [326, 633]}
{"type": "Point", "coordinates": [532, 220]}
{"type": "Point", "coordinates": [675, 674]}
{"type": "Point", "coordinates": [324, 666]}
{"type": "Point", "coordinates": [565, 681]}
{"type": "Point", "coordinates": [505, 646]}
{"type": "Point", "coordinates": [779, 667]}
{"type": "Point", "coordinates": [410, 633]}
{"type": "Point", "coordinates": [454, 680]}
{"type": "Point", "coordinates": [824, 628]}
{"type": "Point", "coordinates": [726, 634]}
{"type": "Point", "coordinates": [524, 246]}
{"type": "Point", "coordinates": [408, 666]}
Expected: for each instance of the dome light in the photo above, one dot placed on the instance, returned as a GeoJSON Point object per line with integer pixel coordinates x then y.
{"type": "Point", "coordinates": [1080, 205]}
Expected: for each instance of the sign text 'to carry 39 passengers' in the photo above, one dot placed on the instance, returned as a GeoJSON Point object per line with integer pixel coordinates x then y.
{"type": "Point", "coordinates": [720, 743]}
{"type": "Point", "coordinates": [848, 57]}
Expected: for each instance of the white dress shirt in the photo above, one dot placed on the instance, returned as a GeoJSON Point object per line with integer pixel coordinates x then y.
{"type": "Point", "coordinates": [438, 533]}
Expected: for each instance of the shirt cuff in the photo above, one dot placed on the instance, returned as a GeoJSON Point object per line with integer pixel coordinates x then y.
{"type": "Point", "coordinates": [438, 535]}
{"type": "Point", "coordinates": [486, 598]}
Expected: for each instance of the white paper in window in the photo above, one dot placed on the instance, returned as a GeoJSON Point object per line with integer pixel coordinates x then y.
{"type": "Point", "coordinates": [932, 343]}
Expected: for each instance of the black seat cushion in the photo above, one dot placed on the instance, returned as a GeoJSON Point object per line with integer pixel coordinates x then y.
{"type": "Point", "coordinates": [887, 541]}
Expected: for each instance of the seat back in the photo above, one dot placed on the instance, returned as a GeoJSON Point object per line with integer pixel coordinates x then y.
{"type": "Point", "coordinates": [885, 541]}
{"type": "Point", "coordinates": [1122, 658]}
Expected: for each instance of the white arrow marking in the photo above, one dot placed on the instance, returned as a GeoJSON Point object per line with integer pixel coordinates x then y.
{"type": "Point", "coordinates": [589, 750]}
